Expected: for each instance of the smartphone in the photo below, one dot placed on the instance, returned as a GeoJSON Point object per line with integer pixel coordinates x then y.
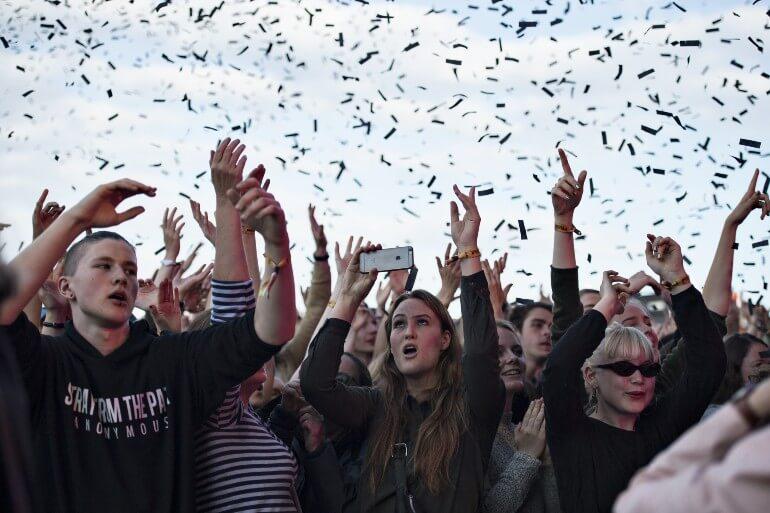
{"type": "Point", "coordinates": [389, 259]}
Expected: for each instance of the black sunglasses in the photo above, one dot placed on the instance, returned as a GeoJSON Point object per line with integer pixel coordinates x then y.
{"type": "Point", "coordinates": [625, 369]}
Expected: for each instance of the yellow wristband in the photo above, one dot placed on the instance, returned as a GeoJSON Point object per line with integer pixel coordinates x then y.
{"type": "Point", "coordinates": [567, 229]}
{"type": "Point", "coordinates": [470, 253]}
{"type": "Point", "coordinates": [684, 280]}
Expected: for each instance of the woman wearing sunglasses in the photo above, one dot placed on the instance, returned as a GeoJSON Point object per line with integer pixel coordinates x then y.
{"type": "Point", "coordinates": [595, 454]}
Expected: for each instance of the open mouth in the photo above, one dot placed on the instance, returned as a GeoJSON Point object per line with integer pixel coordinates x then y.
{"type": "Point", "coordinates": [512, 372]}
{"type": "Point", "coordinates": [409, 350]}
{"type": "Point", "coordinates": [119, 297]}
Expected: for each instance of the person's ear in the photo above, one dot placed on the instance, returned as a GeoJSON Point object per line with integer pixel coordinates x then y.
{"type": "Point", "coordinates": [64, 287]}
{"type": "Point", "coordinates": [446, 338]}
{"type": "Point", "coordinates": [589, 375]}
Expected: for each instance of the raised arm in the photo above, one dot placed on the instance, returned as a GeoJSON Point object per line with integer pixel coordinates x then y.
{"type": "Point", "coordinates": [226, 165]}
{"type": "Point", "coordinates": [317, 299]}
{"type": "Point", "coordinates": [346, 406]}
{"type": "Point", "coordinates": [703, 352]}
{"type": "Point", "coordinates": [450, 275]}
{"type": "Point", "coordinates": [717, 291]}
{"type": "Point", "coordinates": [562, 381]}
{"type": "Point", "coordinates": [97, 210]}
{"type": "Point", "coordinates": [565, 197]}
{"type": "Point", "coordinates": [497, 293]}
{"type": "Point", "coordinates": [172, 235]}
{"type": "Point", "coordinates": [43, 216]}
{"type": "Point", "coordinates": [276, 311]}
{"type": "Point", "coordinates": [485, 394]}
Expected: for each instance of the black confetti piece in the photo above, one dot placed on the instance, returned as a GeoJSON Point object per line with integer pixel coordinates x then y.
{"type": "Point", "coordinates": [749, 143]}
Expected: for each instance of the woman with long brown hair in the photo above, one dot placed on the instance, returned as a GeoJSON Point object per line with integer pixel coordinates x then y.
{"type": "Point", "coordinates": [430, 421]}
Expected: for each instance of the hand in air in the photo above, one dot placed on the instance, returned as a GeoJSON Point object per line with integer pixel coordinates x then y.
{"type": "Point", "coordinates": [752, 199]}
{"type": "Point", "coordinates": [98, 209]}
{"type": "Point", "coordinates": [567, 193]}
{"type": "Point", "coordinates": [465, 231]}
{"type": "Point", "coordinates": [664, 256]}
{"type": "Point", "coordinates": [44, 214]}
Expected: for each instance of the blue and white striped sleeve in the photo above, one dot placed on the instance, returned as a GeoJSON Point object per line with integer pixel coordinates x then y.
{"type": "Point", "coordinates": [230, 300]}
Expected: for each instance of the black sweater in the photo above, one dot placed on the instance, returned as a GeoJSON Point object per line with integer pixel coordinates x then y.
{"type": "Point", "coordinates": [115, 433]}
{"type": "Point", "coordinates": [595, 461]}
{"type": "Point", "coordinates": [362, 408]}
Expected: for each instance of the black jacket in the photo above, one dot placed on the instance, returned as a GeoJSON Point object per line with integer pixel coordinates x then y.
{"type": "Point", "coordinates": [361, 408]}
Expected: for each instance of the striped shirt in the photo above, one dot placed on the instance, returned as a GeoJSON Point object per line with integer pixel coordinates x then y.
{"type": "Point", "coordinates": [240, 464]}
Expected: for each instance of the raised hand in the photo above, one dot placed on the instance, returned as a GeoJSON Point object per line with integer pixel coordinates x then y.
{"type": "Point", "coordinates": [318, 232]}
{"type": "Point", "coordinates": [398, 279]}
{"type": "Point", "coordinates": [259, 209]}
{"type": "Point", "coordinates": [497, 294]}
{"type": "Point", "coordinates": [450, 275]}
{"type": "Point", "coordinates": [172, 233]}
{"type": "Point", "coordinates": [355, 285]}
{"type": "Point", "coordinates": [664, 256]}
{"type": "Point", "coordinates": [146, 295]}
{"type": "Point", "coordinates": [190, 286]}
{"type": "Point", "coordinates": [567, 193]}
{"type": "Point", "coordinates": [752, 199]}
{"type": "Point", "coordinates": [44, 215]}
{"type": "Point", "coordinates": [98, 209]}
{"type": "Point", "coordinates": [208, 228]}
{"type": "Point", "coordinates": [465, 231]}
{"type": "Point", "coordinates": [640, 280]}
{"type": "Point", "coordinates": [187, 262]}
{"type": "Point", "coordinates": [227, 165]}
{"type": "Point", "coordinates": [383, 293]}
{"type": "Point", "coordinates": [614, 293]}
{"type": "Point", "coordinates": [343, 261]}
{"type": "Point", "coordinates": [530, 433]}
{"type": "Point", "coordinates": [166, 312]}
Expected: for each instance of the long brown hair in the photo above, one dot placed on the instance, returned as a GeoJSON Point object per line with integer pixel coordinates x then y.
{"type": "Point", "coordinates": [438, 437]}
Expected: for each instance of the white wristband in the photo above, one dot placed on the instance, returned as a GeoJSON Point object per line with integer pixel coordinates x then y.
{"type": "Point", "coordinates": [167, 262]}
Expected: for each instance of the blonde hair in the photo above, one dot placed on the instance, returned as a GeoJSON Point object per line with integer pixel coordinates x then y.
{"type": "Point", "coordinates": [619, 343]}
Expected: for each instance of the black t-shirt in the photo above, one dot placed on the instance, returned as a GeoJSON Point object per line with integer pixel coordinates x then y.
{"type": "Point", "coordinates": [115, 433]}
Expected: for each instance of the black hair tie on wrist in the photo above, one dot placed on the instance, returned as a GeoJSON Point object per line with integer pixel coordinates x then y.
{"type": "Point", "coordinates": [322, 258]}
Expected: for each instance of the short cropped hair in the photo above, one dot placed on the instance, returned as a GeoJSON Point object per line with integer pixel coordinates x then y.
{"type": "Point", "coordinates": [520, 313]}
{"type": "Point", "coordinates": [77, 250]}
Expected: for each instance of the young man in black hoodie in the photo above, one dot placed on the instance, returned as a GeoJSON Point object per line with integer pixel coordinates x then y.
{"type": "Point", "coordinates": [114, 406]}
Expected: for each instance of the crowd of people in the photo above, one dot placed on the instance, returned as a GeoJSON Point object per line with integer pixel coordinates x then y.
{"type": "Point", "coordinates": [223, 398]}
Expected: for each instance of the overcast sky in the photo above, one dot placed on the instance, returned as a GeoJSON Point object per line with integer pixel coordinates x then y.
{"type": "Point", "coordinates": [412, 97]}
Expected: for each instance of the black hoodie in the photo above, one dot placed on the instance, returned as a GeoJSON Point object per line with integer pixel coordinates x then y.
{"type": "Point", "coordinates": [115, 433]}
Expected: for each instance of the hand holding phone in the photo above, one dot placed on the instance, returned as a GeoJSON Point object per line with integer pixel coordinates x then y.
{"type": "Point", "coordinates": [389, 259]}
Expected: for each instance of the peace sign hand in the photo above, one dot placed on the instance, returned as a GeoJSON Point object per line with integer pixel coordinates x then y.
{"type": "Point", "coordinates": [752, 199]}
